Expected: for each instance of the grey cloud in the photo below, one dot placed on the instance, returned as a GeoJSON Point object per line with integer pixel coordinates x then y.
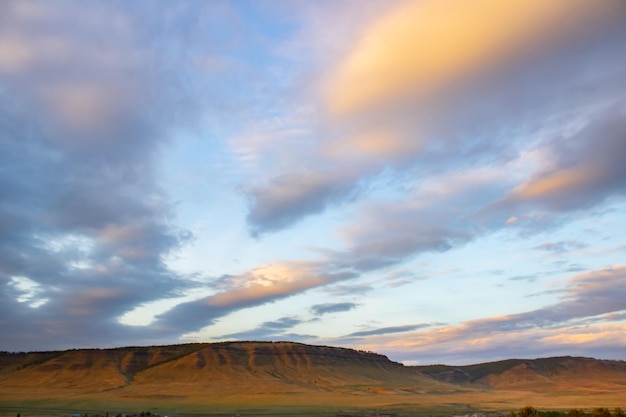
{"type": "Point", "coordinates": [320, 309]}
{"type": "Point", "coordinates": [387, 234]}
{"type": "Point", "coordinates": [590, 168]}
{"type": "Point", "coordinates": [615, 317]}
{"type": "Point", "coordinates": [271, 330]}
{"type": "Point", "coordinates": [349, 289]}
{"type": "Point", "coordinates": [282, 323]}
{"type": "Point", "coordinates": [265, 335]}
{"type": "Point", "coordinates": [290, 197]}
{"type": "Point", "coordinates": [83, 121]}
{"type": "Point", "coordinates": [561, 247]}
{"type": "Point", "coordinates": [593, 293]}
{"type": "Point", "coordinates": [529, 278]}
{"type": "Point", "coordinates": [79, 319]}
{"type": "Point", "coordinates": [389, 330]}
{"type": "Point", "coordinates": [196, 314]}
{"type": "Point", "coordinates": [393, 247]}
{"type": "Point", "coordinates": [575, 268]}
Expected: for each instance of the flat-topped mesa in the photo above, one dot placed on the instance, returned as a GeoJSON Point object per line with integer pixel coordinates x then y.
{"type": "Point", "coordinates": [302, 353]}
{"type": "Point", "coordinates": [296, 373]}
{"type": "Point", "coordinates": [199, 364]}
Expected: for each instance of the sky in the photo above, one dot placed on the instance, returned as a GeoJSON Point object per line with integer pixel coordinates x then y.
{"type": "Point", "coordinates": [438, 181]}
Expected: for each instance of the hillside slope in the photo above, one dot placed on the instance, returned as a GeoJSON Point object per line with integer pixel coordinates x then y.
{"type": "Point", "coordinates": [539, 375]}
{"type": "Point", "coordinates": [193, 377]}
{"type": "Point", "coordinates": [216, 369]}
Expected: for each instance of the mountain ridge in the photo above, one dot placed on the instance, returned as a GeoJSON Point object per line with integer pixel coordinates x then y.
{"type": "Point", "coordinates": [539, 372]}
{"type": "Point", "coordinates": [296, 373]}
{"type": "Point", "coordinates": [199, 363]}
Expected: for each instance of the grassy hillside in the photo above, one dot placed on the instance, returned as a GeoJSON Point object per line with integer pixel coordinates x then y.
{"type": "Point", "coordinates": [559, 373]}
{"type": "Point", "coordinates": [197, 378]}
{"type": "Point", "coordinates": [217, 370]}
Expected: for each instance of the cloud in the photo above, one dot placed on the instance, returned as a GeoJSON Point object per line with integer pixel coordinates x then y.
{"type": "Point", "coordinates": [389, 330]}
{"type": "Point", "coordinates": [272, 331]}
{"type": "Point", "coordinates": [600, 341]}
{"type": "Point", "coordinates": [401, 277]}
{"type": "Point", "coordinates": [434, 218]}
{"type": "Point", "coordinates": [585, 295]}
{"type": "Point", "coordinates": [529, 278]}
{"type": "Point", "coordinates": [256, 287]}
{"type": "Point", "coordinates": [424, 151]}
{"type": "Point", "coordinates": [321, 309]}
{"type": "Point", "coordinates": [348, 289]}
{"type": "Point", "coordinates": [426, 47]}
{"type": "Point", "coordinates": [455, 208]}
{"type": "Point", "coordinates": [561, 247]}
{"type": "Point", "coordinates": [282, 323]}
{"type": "Point", "coordinates": [586, 319]}
{"type": "Point", "coordinates": [90, 96]}
{"type": "Point", "coordinates": [467, 90]}
{"type": "Point", "coordinates": [289, 197]}
{"type": "Point", "coordinates": [586, 168]}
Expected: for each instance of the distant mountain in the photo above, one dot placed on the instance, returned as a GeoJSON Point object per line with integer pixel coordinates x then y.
{"type": "Point", "coordinates": [558, 373]}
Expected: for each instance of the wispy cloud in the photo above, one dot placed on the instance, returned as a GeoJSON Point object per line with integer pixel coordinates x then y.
{"type": "Point", "coordinates": [257, 287]}
{"type": "Point", "coordinates": [271, 330]}
{"type": "Point", "coordinates": [529, 278]}
{"type": "Point", "coordinates": [327, 308]}
{"type": "Point", "coordinates": [389, 330]}
{"type": "Point", "coordinates": [586, 298]}
{"type": "Point", "coordinates": [560, 247]}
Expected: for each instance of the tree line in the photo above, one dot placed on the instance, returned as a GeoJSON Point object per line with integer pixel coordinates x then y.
{"type": "Point", "coordinates": [529, 411]}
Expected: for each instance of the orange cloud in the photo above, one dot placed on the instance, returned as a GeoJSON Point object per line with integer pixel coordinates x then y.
{"type": "Point", "coordinates": [561, 181]}
{"type": "Point", "coordinates": [268, 282]}
{"type": "Point", "coordinates": [576, 336]}
{"type": "Point", "coordinates": [606, 279]}
{"type": "Point", "coordinates": [370, 145]}
{"type": "Point", "coordinates": [551, 327]}
{"type": "Point", "coordinates": [427, 45]}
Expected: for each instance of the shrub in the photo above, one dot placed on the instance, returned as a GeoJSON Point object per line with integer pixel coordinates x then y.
{"type": "Point", "coordinates": [600, 412]}
{"type": "Point", "coordinates": [576, 412]}
{"type": "Point", "coordinates": [529, 411]}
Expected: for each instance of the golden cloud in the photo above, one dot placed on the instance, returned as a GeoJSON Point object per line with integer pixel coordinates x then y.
{"type": "Point", "coordinates": [424, 47]}
{"type": "Point", "coordinates": [277, 280]}
{"type": "Point", "coordinates": [565, 180]}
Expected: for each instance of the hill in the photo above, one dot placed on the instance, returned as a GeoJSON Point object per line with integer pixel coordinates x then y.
{"type": "Point", "coordinates": [539, 375]}
{"type": "Point", "coordinates": [190, 377]}
{"type": "Point", "coordinates": [216, 369]}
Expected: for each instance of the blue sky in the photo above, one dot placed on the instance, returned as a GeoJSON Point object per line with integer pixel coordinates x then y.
{"type": "Point", "coordinates": [438, 181]}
